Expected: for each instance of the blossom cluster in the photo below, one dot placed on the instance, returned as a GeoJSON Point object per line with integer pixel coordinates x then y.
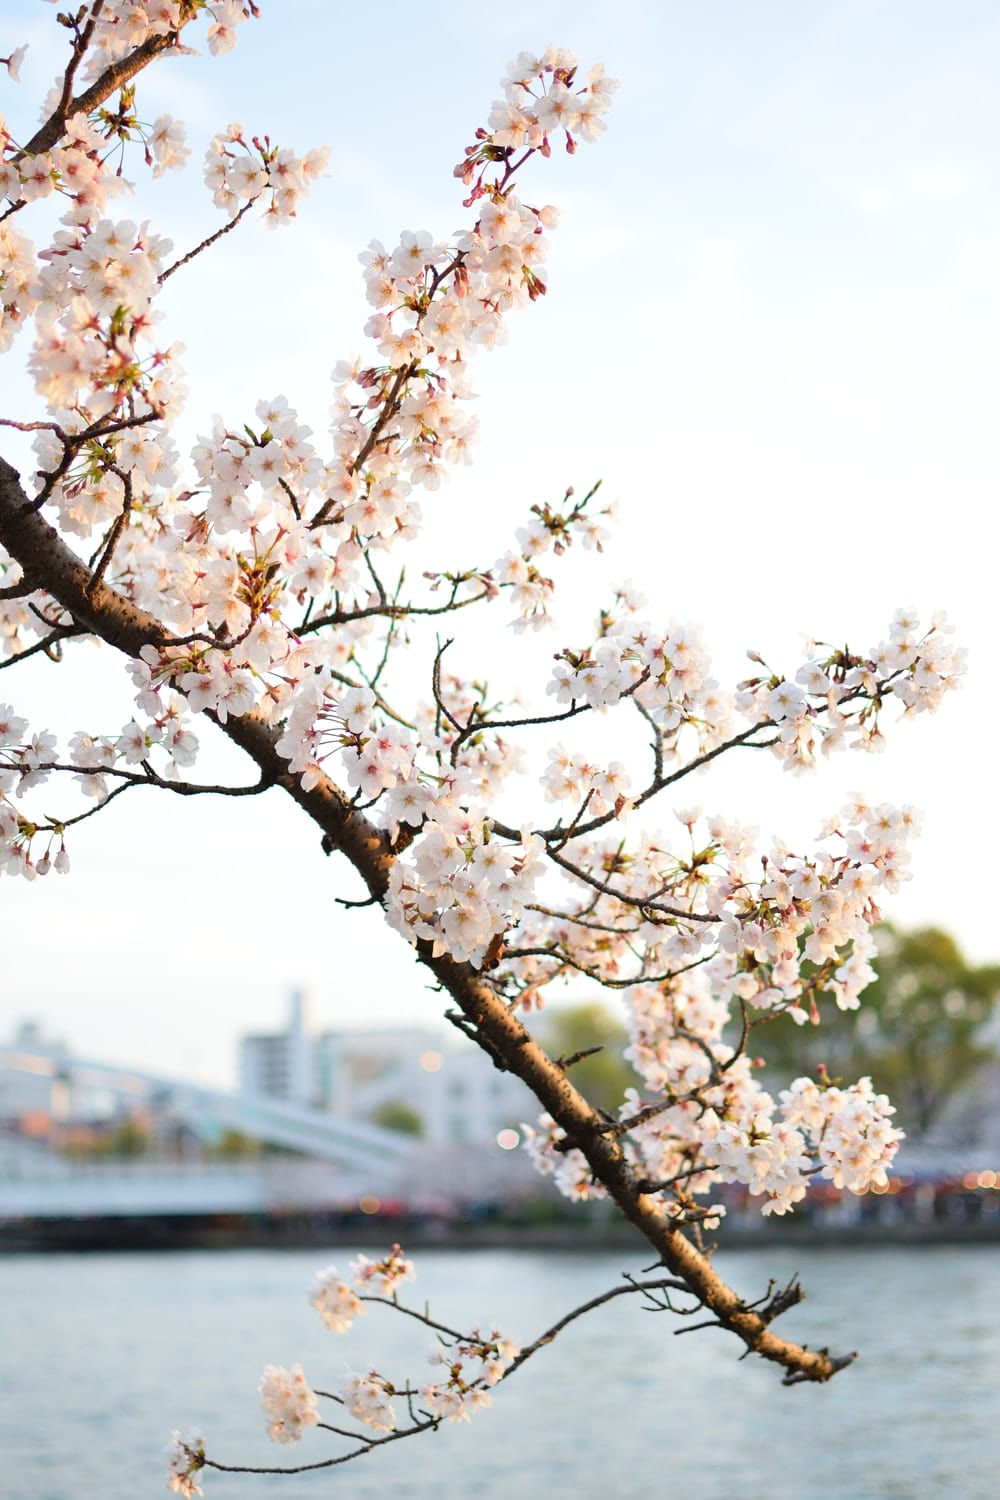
{"type": "Point", "coordinates": [849, 1127]}
{"type": "Point", "coordinates": [367, 1397]}
{"type": "Point", "coordinates": [837, 697]}
{"type": "Point", "coordinates": [327, 716]}
{"type": "Point", "coordinates": [574, 778]}
{"type": "Point", "coordinates": [287, 1399]}
{"type": "Point", "coordinates": [336, 1301]}
{"type": "Point", "coordinates": [667, 671]}
{"type": "Point", "coordinates": [289, 1403]}
{"type": "Point", "coordinates": [185, 1461]}
{"type": "Point", "coordinates": [844, 1134]}
{"type": "Point", "coordinates": [383, 1277]}
{"type": "Point", "coordinates": [550, 529]}
{"type": "Point", "coordinates": [74, 168]}
{"type": "Point", "coordinates": [156, 749]}
{"type": "Point", "coordinates": [461, 889]}
{"type": "Point", "coordinates": [528, 115]}
{"type": "Point", "coordinates": [239, 172]}
{"type": "Point", "coordinates": [753, 920]}
{"type": "Point", "coordinates": [732, 1131]}
{"type": "Point", "coordinates": [123, 25]}
{"type": "Point", "coordinates": [834, 698]}
{"type": "Point", "coordinates": [569, 1169]}
{"type": "Point", "coordinates": [339, 1302]}
{"type": "Point", "coordinates": [770, 941]}
{"type": "Point", "coordinates": [413, 773]}
{"type": "Point", "coordinates": [23, 762]}
{"type": "Point", "coordinates": [469, 1368]}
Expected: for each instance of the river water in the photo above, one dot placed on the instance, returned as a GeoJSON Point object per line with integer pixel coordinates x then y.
{"type": "Point", "coordinates": [101, 1355]}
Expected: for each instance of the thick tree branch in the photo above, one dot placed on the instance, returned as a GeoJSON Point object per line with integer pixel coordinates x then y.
{"type": "Point", "coordinates": [115, 75]}
{"type": "Point", "coordinates": [109, 615]}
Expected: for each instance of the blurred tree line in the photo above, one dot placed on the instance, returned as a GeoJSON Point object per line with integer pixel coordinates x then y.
{"type": "Point", "coordinates": [926, 1026]}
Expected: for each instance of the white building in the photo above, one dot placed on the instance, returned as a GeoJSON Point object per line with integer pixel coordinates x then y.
{"type": "Point", "coordinates": [34, 1080]}
{"type": "Point", "coordinates": [282, 1066]}
{"type": "Point", "coordinates": [443, 1086]}
{"type": "Point", "coordinates": [451, 1087]}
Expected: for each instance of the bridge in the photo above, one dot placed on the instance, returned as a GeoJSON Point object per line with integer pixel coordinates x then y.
{"type": "Point", "coordinates": [339, 1161]}
{"type": "Point", "coordinates": [36, 1183]}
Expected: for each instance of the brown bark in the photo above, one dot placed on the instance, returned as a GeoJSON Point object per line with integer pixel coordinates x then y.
{"type": "Point", "coordinates": [114, 77]}
{"type": "Point", "coordinates": [99, 609]}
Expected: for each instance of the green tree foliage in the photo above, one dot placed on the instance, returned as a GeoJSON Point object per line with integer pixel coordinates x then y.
{"type": "Point", "coordinates": [605, 1076]}
{"type": "Point", "coordinates": [129, 1139]}
{"type": "Point", "coordinates": [394, 1115]}
{"type": "Point", "coordinates": [921, 1033]}
{"type": "Point", "coordinates": [233, 1144]}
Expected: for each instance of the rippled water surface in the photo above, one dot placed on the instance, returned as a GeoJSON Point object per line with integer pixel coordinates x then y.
{"type": "Point", "coordinates": [101, 1355]}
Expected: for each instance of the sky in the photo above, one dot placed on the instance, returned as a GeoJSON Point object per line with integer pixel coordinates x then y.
{"type": "Point", "coordinates": [771, 331]}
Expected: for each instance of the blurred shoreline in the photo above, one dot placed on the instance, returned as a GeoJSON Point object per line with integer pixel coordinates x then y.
{"type": "Point", "coordinates": [298, 1231]}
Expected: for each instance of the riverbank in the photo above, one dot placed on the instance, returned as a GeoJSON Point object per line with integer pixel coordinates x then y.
{"type": "Point", "coordinates": [301, 1231]}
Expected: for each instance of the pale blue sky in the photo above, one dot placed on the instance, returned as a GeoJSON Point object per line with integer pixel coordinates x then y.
{"type": "Point", "coordinates": [772, 330]}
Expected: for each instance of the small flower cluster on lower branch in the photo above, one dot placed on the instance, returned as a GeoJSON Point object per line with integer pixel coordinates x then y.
{"type": "Point", "coordinates": [472, 1363]}
{"type": "Point", "coordinates": [471, 1367]}
{"type": "Point", "coordinates": [185, 1460]}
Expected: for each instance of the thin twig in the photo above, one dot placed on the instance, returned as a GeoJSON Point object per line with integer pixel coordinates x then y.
{"type": "Point", "coordinates": [45, 645]}
{"type": "Point", "coordinates": [210, 240]}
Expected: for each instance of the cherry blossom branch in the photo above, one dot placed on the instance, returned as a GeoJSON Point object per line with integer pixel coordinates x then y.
{"type": "Point", "coordinates": [477, 725]}
{"type": "Point", "coordinates": [649, 1186]}
{"type": "Point", "coordinates": [146, 777]}
{"type": "Point", "coordinates": [210, 240]}
{"type": "Point", "coordinates": [46, 645]}
{"type": "Point", "coordinates": [578, 1056]}
{"type": "Point", "coordinates": [392, 400]}
{"type": "Point", "coordinates": [59, 826]}
{"type": "Point", "coordinates": [566, 960]}
{"type": "Point", "coordinates": [106, 613]}
{"type": "Point", "coordinates": [81, 41]}
{"type": "Point", "coordinates": [556, 833]}
{"type": "Point", "coordinates": [657, 741]}
{"type": "Point", "coordinates": [642, 903]}
{"type": "Point", "coordinates": [113, 77]}
{"type": "Point", "coordinates": [659, 1284]}
{"type": "Point", "coordinates": [411, 1312]}
{"type": "Point", "coordinates": [656, 1291]}
{"type": "Point", "coordinates": [17, 590]}
{"type": "Point", "coordinates": [616, 1129]}
{"type": "Point", "coordinates": [397, 611]}
{"type": "Point", "coordinates": [73, 441]}
{"type": "Point", "coordinates": [368, 1446]}
{"type": "Point", "coordinates": [659, 784]}
{"type": "Point", "coordinates": [443, 711]}
{"type": "Point", "coordinates": [32, 426]}
{"type": "Point", "coordinates": [387, 611]}
{"type": "Point", "coordinates": [117, 527]}
{"type": "Point", "coordinates": [580, 919]}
